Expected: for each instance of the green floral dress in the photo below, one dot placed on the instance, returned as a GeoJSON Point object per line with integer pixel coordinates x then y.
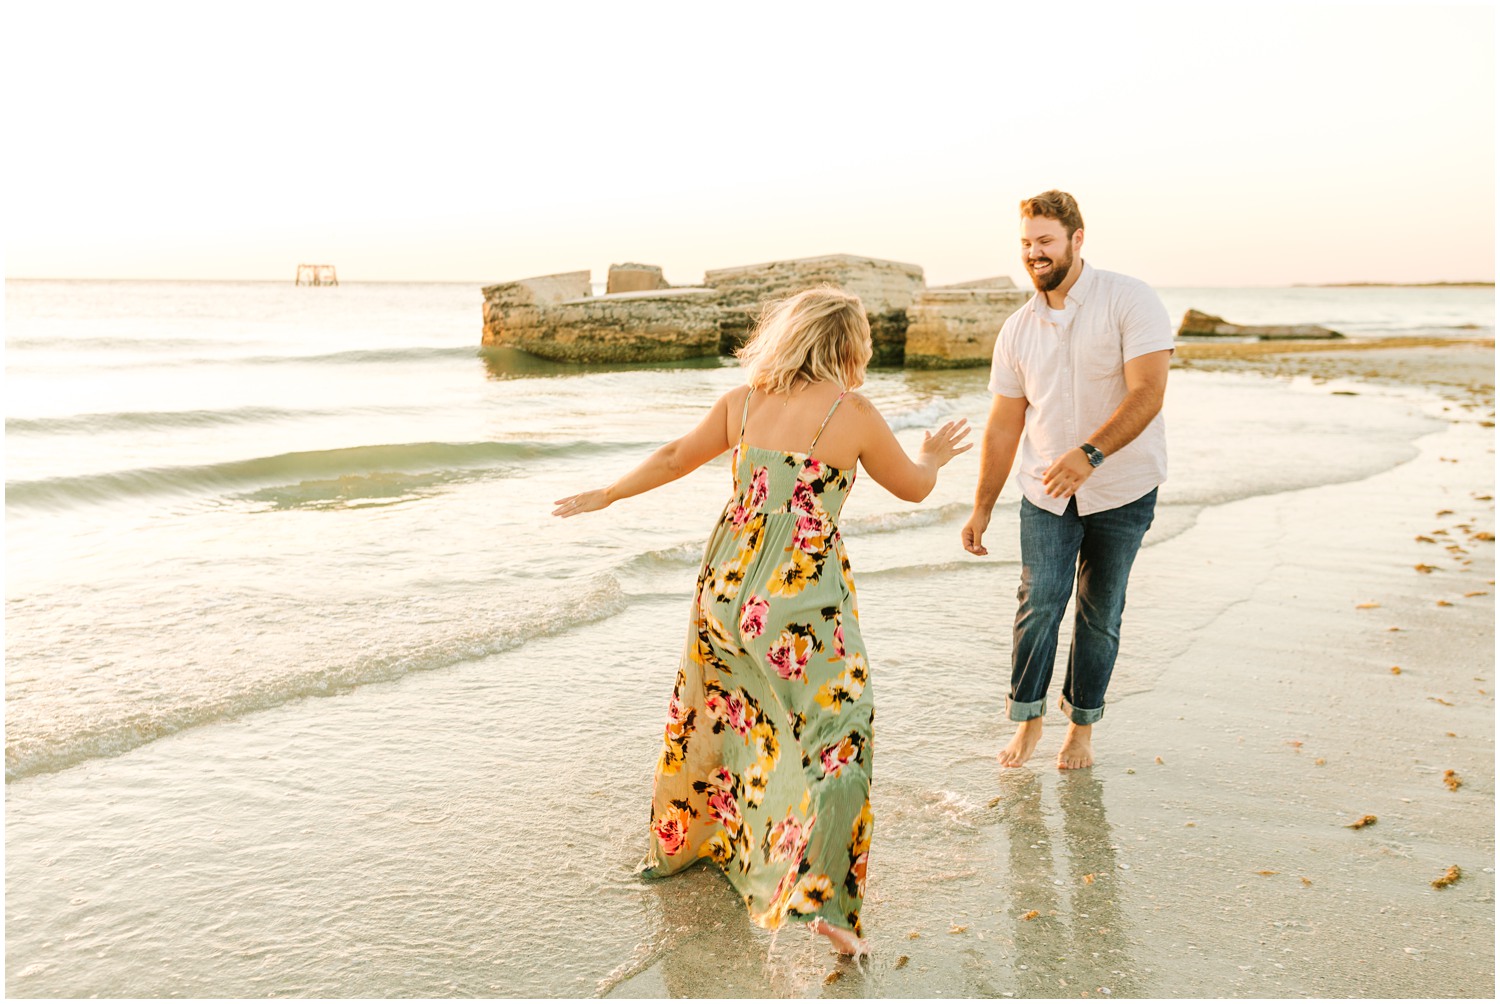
{"type": "Point", "coordinates": [765, 768]}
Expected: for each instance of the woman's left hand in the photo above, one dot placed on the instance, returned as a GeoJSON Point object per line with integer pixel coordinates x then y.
{"type": "Point", "coordinates": [573, 505]}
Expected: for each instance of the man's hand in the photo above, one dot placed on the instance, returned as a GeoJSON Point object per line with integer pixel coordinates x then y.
{"type": "Point", "coordinates": [974, 532]}
{"type": "Point", "coordinates": [1067, 473]}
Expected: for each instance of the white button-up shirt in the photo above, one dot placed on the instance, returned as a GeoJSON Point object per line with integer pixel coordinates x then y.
{"type": "Point", "coordinates": [1072, 376]}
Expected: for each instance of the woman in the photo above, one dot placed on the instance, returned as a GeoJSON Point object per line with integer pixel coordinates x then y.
{"type": "Point", "coordinates": [766, 762]}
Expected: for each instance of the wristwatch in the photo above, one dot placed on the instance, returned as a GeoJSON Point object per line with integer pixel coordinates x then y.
{"type": "Point", "coordinates": [1092, 452]}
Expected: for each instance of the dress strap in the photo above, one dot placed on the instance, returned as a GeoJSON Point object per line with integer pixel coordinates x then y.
{"type": "Point", "coordinates": [825, 423]}
{"type": "Point", "coordinates": [745, 415]}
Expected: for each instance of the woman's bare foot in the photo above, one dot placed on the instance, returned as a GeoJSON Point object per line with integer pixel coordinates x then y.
{"type": "Point", "coordinates": [843, 940]}
{"type": "Point", "coordinates": [1022, 744]}
{"type": "Point", "coordinates": [1077, 748]}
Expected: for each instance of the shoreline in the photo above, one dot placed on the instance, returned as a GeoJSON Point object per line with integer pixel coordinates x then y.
{"type": "Point", "coordinates": [1458, 369]}
{"type": "Point", "coordinates": [1209, 852]}
{"type": "Point", "coordinates": [1477, 284]}
{"type": "Point", "coordinates": [401, 811]}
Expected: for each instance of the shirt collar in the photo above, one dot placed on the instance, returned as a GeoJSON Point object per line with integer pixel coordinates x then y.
{"type": "Point", "coordinates": [1085, 283]}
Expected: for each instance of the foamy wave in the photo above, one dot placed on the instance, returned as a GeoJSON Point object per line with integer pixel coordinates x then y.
{"type": "Point", "coordinates": [888, 522]}
{"type": "Point", "coordinates": [929, 569]}
{"type": "Point", "coordinates": [405, 354]}
{"type": "Point", "coordinates": [96, 422]}
{"type": "Point", "coordinates": [26, 756]}
{"type": "Point", "coordinates": [281, 469]}
{"type": "Point", "coordinates": [928, 416]}
{"type": "Point", "coordinates": [680, 556]}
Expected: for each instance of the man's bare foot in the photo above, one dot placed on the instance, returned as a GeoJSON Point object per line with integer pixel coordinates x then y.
{"type": "Point", "coordinates": [1077, 748]}
{"type": "Point", "coordinates": [1022, 744]}
{"type": "Point", "coordinates": [843, 940]}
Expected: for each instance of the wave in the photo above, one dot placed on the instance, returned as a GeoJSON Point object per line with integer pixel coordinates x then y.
{"type": "Point", "coordinates": [412, 353]}
{"type": "Point", "coordinates": [923, 570]}
{"type": "Point", "coordinates": [402, 354]}
{"type": "Point", "coordinates": [890, 522]}
{"type": "Point", "coordinates": [96, 422]}
{"type": "Point", "coordinates": [598, 599]}
{"type": "Point", "coordinates": [281, 469]}
{"type": "Point", "coordinates": [679, 556]}
{"type": "Point", "coordinates": [927, 416]}
{"type": "Point", "coordinates": [84, 345]}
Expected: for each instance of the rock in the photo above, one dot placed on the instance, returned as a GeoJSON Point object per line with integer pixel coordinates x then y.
{"type": "Point", "coordinates": [540, 289]}
{"type": "Point", "coordinates": [1196, 324]}
{"type": "Point", "coordinates": [642, 319]}
{"type": "Point", "coordinates": [520, 304]}
{"type": "Point", "coordinates": [647, 326]}
{"type": "Point", "coordinates": [994, 282]}
{"type": "Point", "coordinates": [954, 326]}
{"type": "Point", "coordinates": [886, 288]}
{"type": "Point", "coordinates": [632, 278]}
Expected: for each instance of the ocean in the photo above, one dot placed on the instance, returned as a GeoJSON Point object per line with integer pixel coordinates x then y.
{"type": "Point", "coordinates": [307, 694]}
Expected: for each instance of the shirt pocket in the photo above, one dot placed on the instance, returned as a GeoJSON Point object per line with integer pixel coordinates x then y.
{"type": "Point", "coordinates": [1102, 359]}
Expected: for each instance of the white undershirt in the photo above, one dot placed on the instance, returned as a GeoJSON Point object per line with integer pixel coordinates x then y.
{"type": "Point", "coordinates": [1056, 316]}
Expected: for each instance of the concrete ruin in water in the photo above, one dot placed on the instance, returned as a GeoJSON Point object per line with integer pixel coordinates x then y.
{"type": "Point", "coordinates": [640, 318]}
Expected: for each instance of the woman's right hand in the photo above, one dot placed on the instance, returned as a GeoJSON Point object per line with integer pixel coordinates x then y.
{"type": "Point", "coordinates": [583, 502]}
{"type": "Point", "coordinates": [943, 445]}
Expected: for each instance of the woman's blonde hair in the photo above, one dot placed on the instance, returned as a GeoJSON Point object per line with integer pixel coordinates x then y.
{"type": "Point", "coordinates": [818, 334]}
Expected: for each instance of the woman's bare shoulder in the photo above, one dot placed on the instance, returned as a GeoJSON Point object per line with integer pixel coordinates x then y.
{"type": "Point", "coordinates": [863, 406]}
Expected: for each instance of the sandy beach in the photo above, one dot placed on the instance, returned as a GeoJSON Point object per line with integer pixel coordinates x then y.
{"type": "Point", "coordinates": [1210, 851]}
{"type": "Point", "coordinates": [470, 830]}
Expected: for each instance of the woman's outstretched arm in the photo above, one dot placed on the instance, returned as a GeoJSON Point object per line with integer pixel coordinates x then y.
{"type": "Point", "coordinates": [670, 462]}
{"type": "Point", "coordinates": [884, 460]}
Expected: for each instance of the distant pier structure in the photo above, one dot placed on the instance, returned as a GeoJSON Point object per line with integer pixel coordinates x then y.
{"type": "Point", "coordinates": [317, 275]}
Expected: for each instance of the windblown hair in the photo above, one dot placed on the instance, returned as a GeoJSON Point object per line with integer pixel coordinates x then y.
{"type": "Point", "coordinates": [1055, 205]}
{"type": "Point", "coordinates": [818, 334]}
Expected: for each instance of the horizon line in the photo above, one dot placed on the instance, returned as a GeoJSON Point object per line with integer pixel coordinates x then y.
{"type": "Point", "coordinates": [1438, 283]}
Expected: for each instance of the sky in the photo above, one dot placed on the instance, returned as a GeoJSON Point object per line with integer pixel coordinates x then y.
{"type": "Point", "coordinates": [1234, 145]}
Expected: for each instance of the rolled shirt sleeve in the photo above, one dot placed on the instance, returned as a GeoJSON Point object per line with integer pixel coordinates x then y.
{"type": "Point", "coordinates": [1144, 323]}
{"type": "Point", "coordinates": [1005, 379]}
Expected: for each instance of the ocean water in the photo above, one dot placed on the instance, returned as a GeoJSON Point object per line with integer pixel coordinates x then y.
{"type": "Point", "coordinates": [280, 575]}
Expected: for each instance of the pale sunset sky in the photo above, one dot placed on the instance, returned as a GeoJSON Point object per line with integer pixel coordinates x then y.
{"type": "Point", "coordinates": [1207, 145]}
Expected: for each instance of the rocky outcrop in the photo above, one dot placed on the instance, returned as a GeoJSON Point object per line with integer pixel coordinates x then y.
{"type": "Point", "coordinates": [519, 306]}
{"type": "Point", "coordinates": [641, 319]}
{"type": "Point", "coordinates": [994, 282]}
{"type": "Point", "coordinates": [953, 326]}
{"type": "Point", "coordinates": [649, 326]}
{"type": "Point", "coordinates": [886, 288]}
{"type": "Point", "coordinates": [1196, 324]}
{"type": "Point", "coordinates": [634, 278]}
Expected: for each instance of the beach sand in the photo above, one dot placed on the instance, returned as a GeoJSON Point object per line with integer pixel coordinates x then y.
{"type": "Point", "coordinates": [1209, 852]}
{"type": "Point", "coordinates": [388, 841]}
{"type": "Point", "coordinates": [1461, 368]}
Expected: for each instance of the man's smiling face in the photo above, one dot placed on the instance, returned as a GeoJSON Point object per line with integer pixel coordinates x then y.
{"type": "Point", "coordinates": [1047, 252]}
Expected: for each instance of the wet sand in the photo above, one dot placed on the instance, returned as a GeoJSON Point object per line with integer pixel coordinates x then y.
{"type": "Point", "coordinates": [1452, 367]}
{"type": "Point", "coordinates": [1209, 852]}
{"type": "Point", "coordinates": [472, 832]}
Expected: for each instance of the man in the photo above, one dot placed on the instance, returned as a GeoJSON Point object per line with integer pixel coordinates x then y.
{"type": "Point", "coordinates": [1078, 375]}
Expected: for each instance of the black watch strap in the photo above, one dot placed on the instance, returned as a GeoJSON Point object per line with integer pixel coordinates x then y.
{"type": "Point", "coordinates": [1092, 452]}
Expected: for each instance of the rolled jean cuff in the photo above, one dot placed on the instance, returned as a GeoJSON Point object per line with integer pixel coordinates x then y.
{"type": "Point", "coordinates": [1019, 711]}
{"type": "Point", "coordinates": [1080, 716]}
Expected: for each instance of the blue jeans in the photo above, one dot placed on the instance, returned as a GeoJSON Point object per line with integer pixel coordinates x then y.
{"type": "Point", "coordinates": [1102, 547]}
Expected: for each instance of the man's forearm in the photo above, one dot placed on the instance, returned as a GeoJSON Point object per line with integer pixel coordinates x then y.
{"type": "Point", "coordinates": [996, 457]}
{"type": "Point", "coordinates": [1130, 419]}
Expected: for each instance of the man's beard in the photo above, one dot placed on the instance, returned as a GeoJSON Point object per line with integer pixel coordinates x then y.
{"type": "Point", "coordinates": [1055, 277]}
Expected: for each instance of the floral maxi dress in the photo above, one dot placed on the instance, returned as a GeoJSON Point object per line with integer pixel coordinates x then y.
{"type": "Point", "coordinates": [765, 767]}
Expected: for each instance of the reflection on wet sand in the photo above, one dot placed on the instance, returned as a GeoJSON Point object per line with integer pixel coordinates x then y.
{"type": "Point", "coordinates": [1068, 922]}
{"type": "Point", "coordinates": [705, 946]}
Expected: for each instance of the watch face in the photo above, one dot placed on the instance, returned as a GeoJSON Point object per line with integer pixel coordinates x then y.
{"type": "Point", "coordinates": [1095, 457]}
